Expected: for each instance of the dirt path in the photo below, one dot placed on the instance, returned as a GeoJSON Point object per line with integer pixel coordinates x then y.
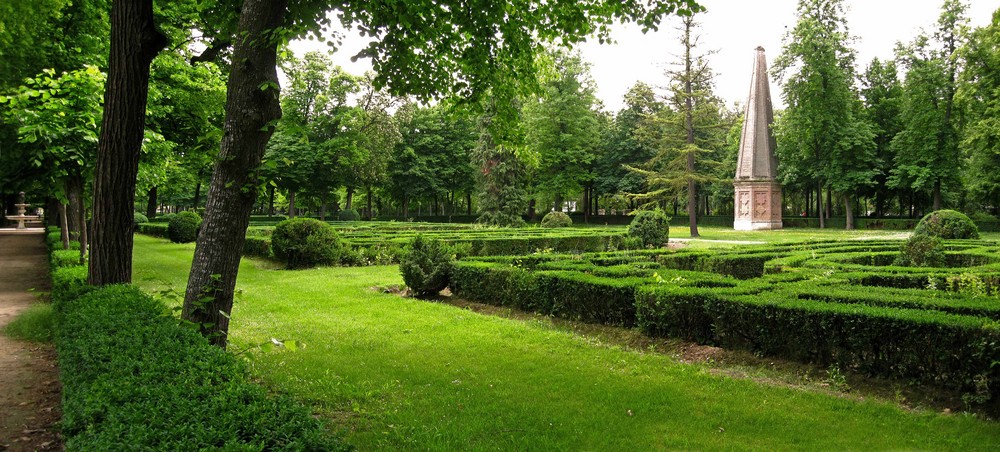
{"type": "Point", "coordinates": [29, 380]}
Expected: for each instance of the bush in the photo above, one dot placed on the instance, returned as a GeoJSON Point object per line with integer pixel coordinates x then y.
{"type": "Point", "coordinates": [306, 242]}
{"type": "Point", "coordinates": [183, 227]}
{"type": "Point", "coordinates": [426, 267]}
{"type": "Point", "coordinates": [651, 227]}
{"type": "Point", "coordinates": [68, 283]}
{"type": "Point", "coordinates": [947, 224]}
{"type": "Point", "coordinates": [133, 378]}
{"type": "Point", "coordinates": [139, 219]}
{"type": "Point", "coordinates": [556, 220]}
{"type": "Point", "coordinates": [348, 215]}
{"type": "Point", "coordinates": [921, 251]}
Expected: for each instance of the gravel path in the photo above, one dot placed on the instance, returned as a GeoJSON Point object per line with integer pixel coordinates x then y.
{"type": "Point", "coordinates": [29, 380]}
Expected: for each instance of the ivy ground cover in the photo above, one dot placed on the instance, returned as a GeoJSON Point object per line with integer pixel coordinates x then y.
{"type": "Point", "coordinates": [406, 374]}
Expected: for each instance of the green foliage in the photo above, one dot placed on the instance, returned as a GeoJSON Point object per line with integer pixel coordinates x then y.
{"type": "Point", "coordinates": [35, 324]}
{"type": "Point", "coordinates": [69, 283]}
{"type": "Point", "coordinates": [825, 141]}
{"type": "Point", "coordinates": [348, 215]}
{"type": "Point", "coordinates": [154, 229]}
{"type": "Point", "coordinates": [921, 250]}
{"type": "Point", "coordinates": [64, 258]}
{"type": "Point", "coordinates": [426, 266]}
{"type": "Point", "coordinates": [978, 97]}
{"type": "Point", "coordinates": [140, 218]}
{"type": "Point", "coordinates": [561, 126]}
{"type": "Point", "coordinates": [133, 378]}
{"type": "Point", "coordinates": [947, 224]}
{"type": "Point", "coordinates": [306, 242]}
{"type": "Point", "coordinates": [556, 219]}
{"type": "Point", "coordinates": [652, 227]}
{"type": "Point", "coordinates": [184, 227]}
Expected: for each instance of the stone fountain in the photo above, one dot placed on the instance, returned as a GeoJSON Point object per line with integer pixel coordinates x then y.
{"type": "Point", "coordinates": [21, 218]}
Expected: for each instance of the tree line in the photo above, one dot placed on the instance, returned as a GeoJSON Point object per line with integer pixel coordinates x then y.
{"type": "Point", "coordinates": [489, 118]}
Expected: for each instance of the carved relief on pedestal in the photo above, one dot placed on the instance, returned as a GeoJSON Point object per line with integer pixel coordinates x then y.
{"type": "Point", "coordinates": [761, 207]}
{"type": "Point", "coordinates": [776, 205]}
{"type": "Point", "coordinates": [743, 204]}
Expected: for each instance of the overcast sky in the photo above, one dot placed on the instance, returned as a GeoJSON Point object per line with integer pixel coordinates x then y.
{"type": "Point", "coordinates": [732, 28]}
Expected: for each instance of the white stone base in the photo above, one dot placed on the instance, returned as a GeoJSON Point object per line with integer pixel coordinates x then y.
{"type": "Point", "coordinates": [748, 225]}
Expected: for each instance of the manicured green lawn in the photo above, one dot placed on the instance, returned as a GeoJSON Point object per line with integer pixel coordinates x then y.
{"type": "Point", "coordinates": [406, 374]}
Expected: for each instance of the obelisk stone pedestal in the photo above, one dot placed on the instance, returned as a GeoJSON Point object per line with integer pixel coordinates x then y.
{"type": "Point", "coordinates": [757, 191]}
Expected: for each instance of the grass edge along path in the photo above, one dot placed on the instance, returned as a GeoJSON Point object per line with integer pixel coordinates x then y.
{"type": "Point", "coordinates": [402, 374]}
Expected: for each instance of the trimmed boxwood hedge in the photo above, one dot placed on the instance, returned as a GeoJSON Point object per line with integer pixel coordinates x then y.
{"type": "Point", "coordinates": [134, 378]}
{"type": "Point", "coordinates": [820, 302]}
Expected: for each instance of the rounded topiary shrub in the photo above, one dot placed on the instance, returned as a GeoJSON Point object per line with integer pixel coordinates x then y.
{"type": "Point", "coordinates": [306, 242]}
{"type": "Point", "coordinates": [348, 215]}
{"type": "Point", "coordinates": [426, 267]}
{"type": "Point", "coordinates": [651, 227]}
{"type": "Point", "coordinates": [556, 220]}
{"type": "Point", "coordinates": [947, 224]}
{"type": "Point", "coordinates": [921, 250]}
{"type": "Point", "coordinates": [139, 218]}
{"type": "Point", "coordinates": [183, 227]}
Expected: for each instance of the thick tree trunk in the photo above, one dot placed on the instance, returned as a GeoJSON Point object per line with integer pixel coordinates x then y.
{"type": "Point", "coordinates": [291, 204]}
{"type": "Point", "coordinates": [848, 212]}
{"type": "Point", "coordinates": [135, 41]}
{"type": "Point", "coordinates": [368, 208]}
{"type": "Point", "coordinates": [270, 201]}
{"type": "Point", "coordinates": [75, 202]}
{"type": "Point", "coordinates": [197, 193]}
{"type": "Point", "coordinates": [406, 207]}
{"type": "Point", "coordinates": [85, 237]}
{"type": "Point", "coordinates": [251, 108]}
{"type": "Point", "coordinates": [64, 224]}
{"type": "Point", "coordinates": [558, 204]}
{"type": "Point", "coordinates": [937, 195]}
{"type": "Point", "coordinates": [586, 205]}
{"type": "Point", "coordinates": [468, 203]}
{"type": "Point", "coordinates": [322, 207]}
{"type": "Point", "coordinates": [819, 205]}
{"type": "Point", "coordinates": [151, 203]}
{"type": "Point", "coordinates": [349, 198]}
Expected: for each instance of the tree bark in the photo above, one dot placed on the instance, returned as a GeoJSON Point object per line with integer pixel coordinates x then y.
{"type": "Point", "coordinates": [586, 205]}
{"type": "Point", "coordinates": [819, 204]}
{"type": "Point", "coordinates": [350, 198]}
{"type": "Point", "coordinates": [252, 108]}
{"type": "Point", "coordinates": [937, 195]}
{"type": "Point", "coordinates": [85, 237]}
{"type": "Point", "coordinates": [75, 204]}
{"type": "Point", "coordinates": [64, 224]}
{"type": "Point", "coordinates": [468, 203]}
{"type": "Point", "coordinates": [291, 204]}
{"type": "Point", "coordinates": [368, 209]}
{"type": "Point", "coordinates": [322, 207]}
{"type": "Point", "coordinates": [151, 203]}
{"type": "Point", "coordinates": [270, 201]}
{"type": "Point", "coordinates": [848, 212]}
{"type": "Point", "coordinates": [135, 41]}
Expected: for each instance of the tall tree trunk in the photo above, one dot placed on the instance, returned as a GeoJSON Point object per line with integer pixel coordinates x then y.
{"type": "Point", "coordinates": [368, 190]}
{"type": "Point", "coordinates": [819, 204]}
{"type": "Point", "coordinates": [252, 107]}
{"type": "Point", "coordinates": [151, 203]}
{"type": "Point", "coordinates": [557, 205]}
{"type": "Point", "coordinates": [322, 207]}
{"type": "Point", "coordinates": [468, 203]}
{"type": "Point", "coordinates": [350, 198]}
{"type": "Point", "coordinates": [406, 207]}
{"type": "Point", "coordinates": [85, 236]}
{"type": "Point", "coordinates": [586, 205]}
{"type": "Point", "coordinates": [75, 201]}
{"type": "Point", "coordinates": [848, 212]}
{"type": "Point", "coordinates": [828, 203]}
{"type": "Point", "coordinates": [197, 193]}
{"type": "Point", "coordinates": [531, 209]}
{"type": "Point", "coordinates": [135, 41]}
{"type": "Point", "coordinates": [270, 200]}
{"type": "Point", "coordinates": [64, 224]}
{"type": "Point", "coordinates": [291, 204]}
{"type": "Point", "coordinates": [937, 195]}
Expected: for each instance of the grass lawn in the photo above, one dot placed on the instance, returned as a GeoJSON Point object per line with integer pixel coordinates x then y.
{"type": "Point", "coordinates": [399, 373]}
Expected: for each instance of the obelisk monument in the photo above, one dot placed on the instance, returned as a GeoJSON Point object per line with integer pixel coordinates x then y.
{"type": "Point", "coordinates": [758, 194]}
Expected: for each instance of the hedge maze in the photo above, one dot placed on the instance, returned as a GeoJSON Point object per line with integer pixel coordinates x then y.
{"type": "Point", "coordinates": [842, 303]}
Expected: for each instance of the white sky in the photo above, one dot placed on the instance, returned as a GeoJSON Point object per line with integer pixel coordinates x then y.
{"type": "Point", "coordinates": [732, 28]}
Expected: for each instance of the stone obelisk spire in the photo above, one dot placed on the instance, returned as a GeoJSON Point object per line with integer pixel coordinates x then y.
{"type": "Point", "coordinates": [758, 194]}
